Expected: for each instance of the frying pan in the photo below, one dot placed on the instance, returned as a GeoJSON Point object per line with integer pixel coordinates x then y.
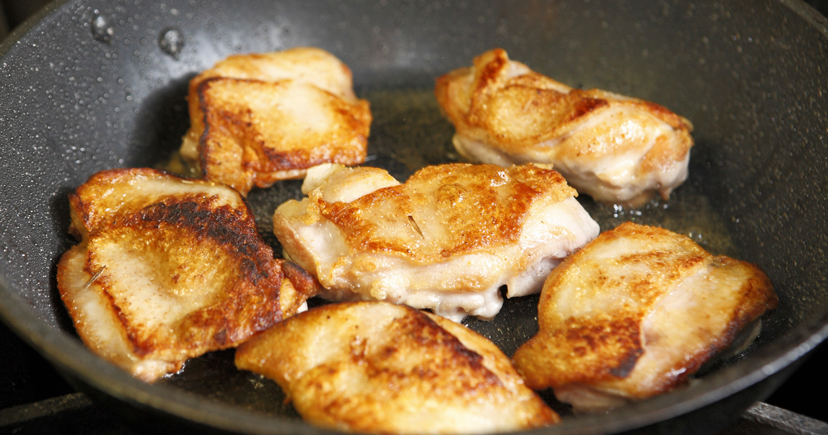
{"type": "Point", "coordinates": [92, 85]}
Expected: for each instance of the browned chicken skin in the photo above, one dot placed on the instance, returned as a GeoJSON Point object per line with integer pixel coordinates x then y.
{"type": "Point", "coordinates": [614, 148]}
{"type": "Point", "coordinates": [383, 368]}
{"type": "Point", "coordinates": [446, 240]}
{"type": "Point", "coordinates": [259, 118]}
{"type": "Point", "coordinates": [168, 269]}
{"type": "Point", "coordinates": [634, 314]}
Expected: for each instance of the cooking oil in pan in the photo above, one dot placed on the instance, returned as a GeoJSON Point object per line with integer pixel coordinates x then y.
{"type": "Point", "coordinates": [409, 132]}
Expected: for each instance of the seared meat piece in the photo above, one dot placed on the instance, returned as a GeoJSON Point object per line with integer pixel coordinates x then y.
{"type": "Point", "coordinates": [260, 118]}
{"type": "Point", "coordinates": [635, 313]}
{"type": "Point", "coordinates": [613, 148]}
{"type": "Point", "coordinates": [168, 269]}
{"type": "Point", "coordinates": [383, 368]}
{"type": "Point", "coordinates": [446, 240]}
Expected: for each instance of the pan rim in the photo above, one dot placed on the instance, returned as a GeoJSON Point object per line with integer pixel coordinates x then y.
{"type": "Point", "coordinates": [72, 356]}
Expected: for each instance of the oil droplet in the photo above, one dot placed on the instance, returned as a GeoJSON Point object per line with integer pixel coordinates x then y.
{"type": "Point", "coordinates": [171, 42]}
{"type": "Point", "coordinates": [101, 30]}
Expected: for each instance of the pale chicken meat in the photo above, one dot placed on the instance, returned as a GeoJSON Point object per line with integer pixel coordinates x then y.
{"type": "Point", "coordinates": [636, 313]}
{"type": "Point", "coordinates": [377, 367]}
{"type": "Point", "coordinates": [614, 148]}
{"type": "Point", "coordinates": [168, 269]}
{"type": "Point", "coordinates": [446, 240]}
{"type": "Point", "coordinates": [259, 118]}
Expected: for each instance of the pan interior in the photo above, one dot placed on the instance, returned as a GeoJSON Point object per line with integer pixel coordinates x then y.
{"type": "Point", "coordinates": [78, 98]}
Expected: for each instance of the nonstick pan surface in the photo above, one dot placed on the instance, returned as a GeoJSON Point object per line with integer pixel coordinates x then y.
{"type": "Point", "coordinates": [93, 85]}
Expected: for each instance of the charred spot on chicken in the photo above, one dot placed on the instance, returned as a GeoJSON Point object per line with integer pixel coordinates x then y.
{"type": "Point", "coordinates": [168, 269]}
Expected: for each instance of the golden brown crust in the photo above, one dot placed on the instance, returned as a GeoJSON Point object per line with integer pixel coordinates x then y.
{"type": "Point", "coordinates": [381, 368]}
{"type": "Point", "coordinates": [525, 110]}
{"type": "Point", "coordinates": [260, 118]}
{"type": "Point", "coordinates": [611, 147]}
{"type": "Point", "coordinates": [189, 246]}
{"type": "Point", "coordinates": [605, 313]}
{"type": "Point", "coordinates": [447, 240]}
{"type": "Point", "coordinates": [243, 144]}
{"type": "Point", "coordinates": [483, 206]}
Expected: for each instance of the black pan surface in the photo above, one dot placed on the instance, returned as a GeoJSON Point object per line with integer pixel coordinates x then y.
{"type": "Point", "coordinates": [94, 85]}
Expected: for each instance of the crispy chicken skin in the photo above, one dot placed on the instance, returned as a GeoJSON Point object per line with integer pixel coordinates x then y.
{"type": "Point", "coordinates": [259, 118]}
{"type": "Point", "coordinates": [635, 313]}
{"type": "Point", "coordinates": [446, 240]}
{"type": "Point", "coordinates": [168, 269]}
{"type": "Point", "coordinates": [383, 368]}
{"type": "Point", "coordinates": [614, 148]}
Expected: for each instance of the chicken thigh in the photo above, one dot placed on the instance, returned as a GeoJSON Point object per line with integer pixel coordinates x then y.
{"type": "Point", "coordinates": [383, 368]}
{"type": "Point", "coordinates": [259, 118]}
{"type": "Point", "coordinates": [635, 313]}
{"type": "Point", "coordinates": [446, 240]}
{"type": "Point", "coordinates": [168, 269]}
{"type": "Point", "coordinates": [614, 148]}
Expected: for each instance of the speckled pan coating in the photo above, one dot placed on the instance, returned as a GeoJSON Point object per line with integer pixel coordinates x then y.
{"type": "Point", "coordinates": [94, 85]}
